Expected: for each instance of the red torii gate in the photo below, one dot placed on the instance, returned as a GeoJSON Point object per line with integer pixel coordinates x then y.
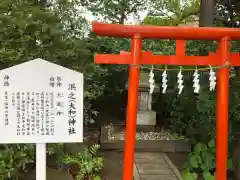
{"type": "Point", "coordinates": [222, 58]}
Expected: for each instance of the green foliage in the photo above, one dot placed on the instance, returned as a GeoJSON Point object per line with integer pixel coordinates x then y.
{"type": "Point", "coordinates": [189, 176]}
{"type": "Point", "coordinates": [14, 160]}
{"type": "Point", "coordinates": [203, 157]}
{"type": "Point", "coordinates": [38, 31]}
{"type": "Point", "coordinates": [114, 11]}
{"type": "Point", "coordinates": [55, 149]}
{"type": "Point", "coordinates": [173, 13]}
{"type": "Point", "coordinates": [228, 13]}
{"type": "Point", "coordinates": [54, 31]}
{"type": "Point", "coordinates": [88, 162]}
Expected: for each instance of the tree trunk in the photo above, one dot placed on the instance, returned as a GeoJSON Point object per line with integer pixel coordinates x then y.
{"type": "Point", "coordinates": [207, 12]}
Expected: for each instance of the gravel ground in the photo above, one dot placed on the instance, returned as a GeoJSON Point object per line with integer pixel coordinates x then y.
{"type": "Point", "coordinates": [161, 135]}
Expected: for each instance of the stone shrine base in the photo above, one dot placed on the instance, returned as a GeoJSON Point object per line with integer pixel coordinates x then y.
{"type": "Point", "coordinates": [146, 118]}
{"type": "Point", "coordinates": [113, 138]}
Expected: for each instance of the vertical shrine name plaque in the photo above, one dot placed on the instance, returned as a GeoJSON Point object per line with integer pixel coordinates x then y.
{"type": "Point", "coordinates": [41, 102]}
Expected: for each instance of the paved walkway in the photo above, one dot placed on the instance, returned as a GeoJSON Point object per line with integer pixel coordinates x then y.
{"type": "Point", "coordinates": [154, 166]}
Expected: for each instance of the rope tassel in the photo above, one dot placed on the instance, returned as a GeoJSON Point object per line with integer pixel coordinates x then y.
{"type": "Point", "coordinates": [180, 81]}
{"type": "Point", "coordinates": [196, 80]}
{"type": "Point", "coordinates": [151, 81]}
{"type": "Point", "coordinates": [212, 80]}
{"type": "Point", "coordinates": [164, 82]}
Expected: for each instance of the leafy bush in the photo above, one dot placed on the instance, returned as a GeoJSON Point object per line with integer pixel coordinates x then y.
{"type": "Point", "coordinates": [202, 160]}
{"type": "Point", "coordinates": [14, 160]}
{"type": "Point", "coordinates": [89, 164]}
{"type": "Point", "coordinates": [55, 148]}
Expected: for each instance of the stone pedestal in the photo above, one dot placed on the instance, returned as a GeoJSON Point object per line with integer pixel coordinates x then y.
{"type": "Point", "coordinates": [145, 115]}
{"type": "Point", "coordinates": [146, 118]}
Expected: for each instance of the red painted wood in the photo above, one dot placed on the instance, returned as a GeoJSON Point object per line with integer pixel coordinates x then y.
{"type": "Point", "coordinates": [163, 32]}
{"type": "Point", "coordinates": [180, 47]}
{"type": "Point", "coordinates": [132, 107]}
{"type": "Point", "coordinates": [149, 58]}
{"type": "Point", "coordinates": [222, 112]}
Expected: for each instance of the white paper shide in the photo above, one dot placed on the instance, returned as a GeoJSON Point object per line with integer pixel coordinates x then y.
{"type": "Point", "coordinates": [41, 103]}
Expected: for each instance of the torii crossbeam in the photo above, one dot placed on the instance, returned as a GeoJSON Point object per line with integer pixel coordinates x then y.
{"type": "Point", "coordinates": [221, 58]}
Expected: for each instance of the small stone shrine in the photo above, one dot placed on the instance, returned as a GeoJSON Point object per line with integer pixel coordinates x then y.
{"type": "Point", "coordinates": [145, 114]}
